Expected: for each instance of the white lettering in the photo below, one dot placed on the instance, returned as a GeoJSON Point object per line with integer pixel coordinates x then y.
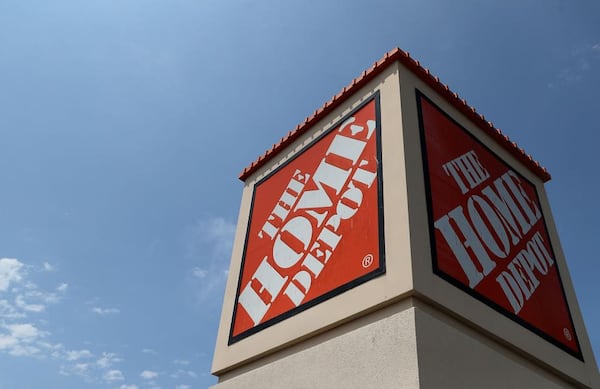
{"type": "Point", "coordinates": [269, 280]}
{"type": "Point", "coordinates": [459, 246]}
{"type": "Point", "coordinates": [300, 230]}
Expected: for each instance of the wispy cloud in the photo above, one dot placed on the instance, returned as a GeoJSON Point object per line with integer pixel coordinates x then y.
{"type": "Point", "coordinates": [128, 387]}
{"type": "Point", "coordinates": [20, 333]}
{"type": "Point", "coordinates": [220, 233]}
{"type": "Point", "coordinates": [48, 267]}
{"type": "Point", "coordinates": [21, 339]}
{"type": "Point", "coordinates": [82, 368]}
{"type": "Point", "coordinates": [209, 243]}
{"type": "Point", "coordinates": [184, 373]}
{"type": "Point", "coordinates": [148, 374]}
{"type": "Point", "coordinates": [113, 375]}
{"type": "Point", "coordinates": [583, 58]}
{"type": "Point", "coordinates": [24, 333]}
{"type": "Point", "coordinates": [20, 302]}
{"type": "Point", "coordinates": [199, 272]}
{"type": "Point", "coordinates": [105, 311]}
{"type": "Point", "coordinates": [215, 234]}
{"type": "Point", "coordinates": [22, 321]}
{"type": "Point", "coordinates": [28, 297]}
{"type": "Point", "coordinates": [8, 311]}
{"type": "Point", "coordinates": [82, 363]}
{"type": "Point", "coordinates": [107, 360]}
{"type": "Point", "coordinates": [62, 287]}
{"type": "Point", "coordinates": [75, 355]}
{"type": "Point", "coordinates": [10, 272]}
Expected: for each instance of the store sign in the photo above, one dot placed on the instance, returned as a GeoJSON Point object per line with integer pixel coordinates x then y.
{"type": "Point", "coordinates": [489, 237]}
{"type": "Point", "coordinates": [316, 226]}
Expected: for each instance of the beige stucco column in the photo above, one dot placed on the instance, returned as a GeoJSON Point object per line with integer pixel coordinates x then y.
{"type": "Point", "coordinates": [395, 239]}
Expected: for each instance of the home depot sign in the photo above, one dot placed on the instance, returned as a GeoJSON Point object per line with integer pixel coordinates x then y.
{"type": "Point", "coordinates": [315, 227]}
{"type": "Point", "coordinates": [488, 232]}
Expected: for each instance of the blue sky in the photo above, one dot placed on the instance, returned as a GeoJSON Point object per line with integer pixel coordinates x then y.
{"type": "Point", "coordinates": [124, 125]}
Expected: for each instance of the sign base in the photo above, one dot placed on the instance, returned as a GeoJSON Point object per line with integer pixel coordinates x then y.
{"type": "Point", "coordinates": [409, 344]}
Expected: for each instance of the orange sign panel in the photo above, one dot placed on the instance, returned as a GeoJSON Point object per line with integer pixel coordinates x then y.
{"type": "Point", "coordinates": [489, 236]}
{"type": "Point", "coordinates": [316, 225]}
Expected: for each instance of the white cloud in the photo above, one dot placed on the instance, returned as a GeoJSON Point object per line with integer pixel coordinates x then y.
{"type": "Point", "coordinates": [149, 351]}
{"type": "Point", "coordinates": [48, 267]}
{"type": "Point", "coordinates": [7, 341]}
{"type": "Point", "coordinates": [582, 59]}
{"type": "Point", "coordinates": [21, 339]}
{"type": "Point", "coordinates": [113, 375]}
{"type": "Point", "coordinates": [82, 367]}
{"type": "Point", "coordinates": [148, 374]}
{"type": "Point", "coordinates": [20, 302]}
{"type": "Point", "coordinates": [32, 292]}
{"type": "Point", "coordinates": [10, 272]}
{"type": "Point", "coordinates": [107, 360]}
{"type": "Point", "coordinates": [24, 331]}
{"type": "Point", "coordinates": [183, 387]}
{"type": "Point", "coordinates": [75, 355]}
{"type": "Point", "coordinates": [217, 232]}
{"type": "Point", "coordinates": [209, 242]}
{"type": "Point", "coordinates": [29, 298]}
{"type": "Point", "coordinates": [105, 311]}
{"type": "Point", "coordinates": [54, 350]}
{"type": "Point", "coordinates": [62, 287]}
{"type": "Point", "coordinates": [17, 337]}
{"type": "Point", "coordinates": [24, 350]}
{"type": "Point", "coordinates": [90, 370]}
{"type": "Point", "coordinates": [8, 311]}
{"type": "Point", "coordinates": [183, 373]}
{"type": "Point", "coordinates": [199, 272]}
{"type": "Point", "coordinates": [21, 298]}
{"type": "Point", "coordinates": [46, 297]}
{"type": "Point", "coordinates": [181, 362]}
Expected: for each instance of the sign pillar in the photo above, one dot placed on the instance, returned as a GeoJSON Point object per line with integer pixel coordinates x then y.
{"type": "Point", "coordinates": [397, 239]}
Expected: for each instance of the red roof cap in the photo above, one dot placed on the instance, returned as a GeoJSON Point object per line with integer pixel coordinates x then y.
{"type": "Point", "coordinates": [432, 81]}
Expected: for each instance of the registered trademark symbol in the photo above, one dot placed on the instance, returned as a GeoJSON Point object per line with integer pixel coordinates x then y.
{"type": "Point", "coordinates": [367, 260]}
{"type": "Point", "coordinates": [567, 333]}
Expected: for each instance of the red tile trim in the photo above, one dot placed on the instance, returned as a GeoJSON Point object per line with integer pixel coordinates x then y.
{"type": "Point", "coordinates": [432, 81]}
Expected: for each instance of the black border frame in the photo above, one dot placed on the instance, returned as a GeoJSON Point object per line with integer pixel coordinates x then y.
{"type": "Point", "coordinates": [380, 270]}
{"type": "Point", "coordinates": [432, 242]}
